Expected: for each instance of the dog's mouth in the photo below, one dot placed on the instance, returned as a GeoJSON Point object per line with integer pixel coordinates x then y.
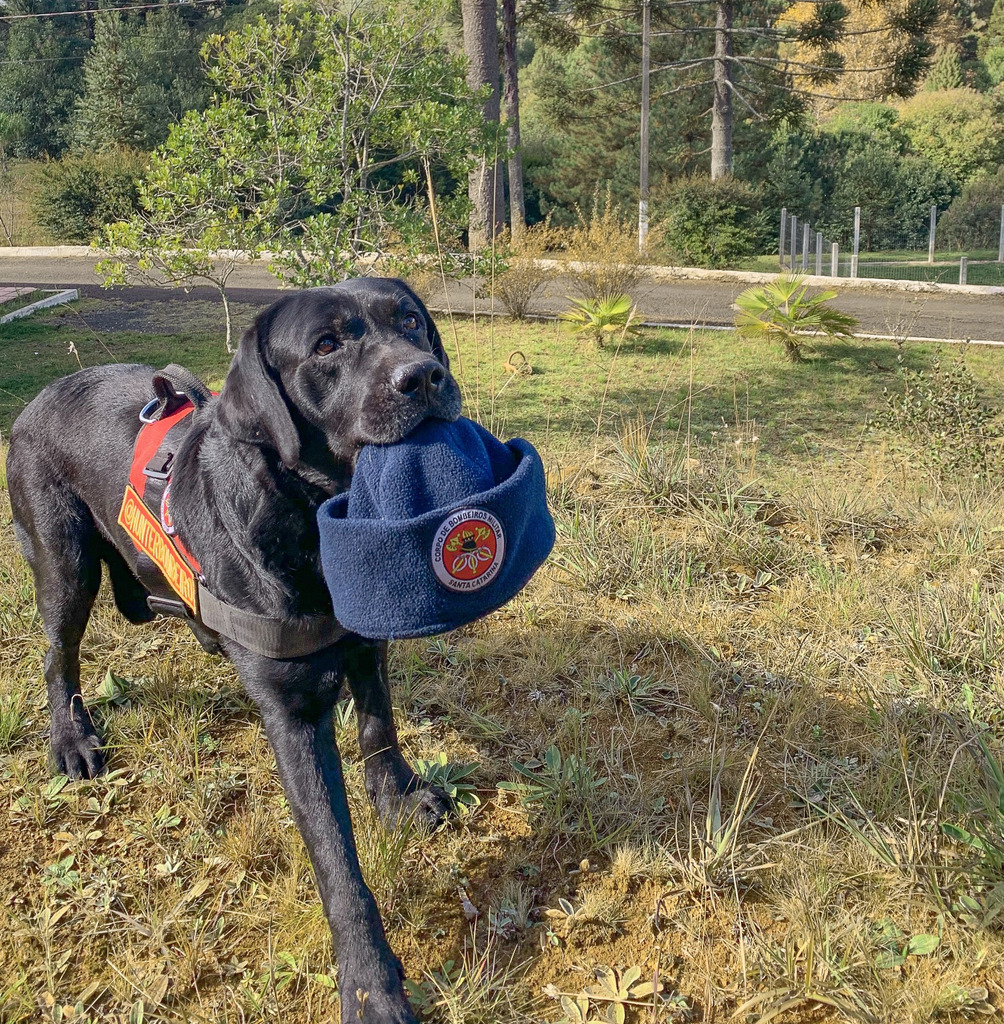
{"type": "Point", "coordinates": [391, 417]}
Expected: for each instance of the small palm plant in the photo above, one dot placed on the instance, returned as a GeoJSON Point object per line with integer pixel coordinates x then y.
{"type": "Point", "coordinates": [601, 317]}
{"type": "Point", "coordinates": [780, 311]}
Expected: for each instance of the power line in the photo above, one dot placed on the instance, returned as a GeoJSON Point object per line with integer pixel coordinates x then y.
{"type": "Point", "coordinates": [106, 10]}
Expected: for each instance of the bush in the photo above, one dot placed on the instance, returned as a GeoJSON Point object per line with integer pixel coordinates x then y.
{"type": "Point", "coordinates": [520, 277]}
{"type": "Point", "coordinates": [712, 223]}
{"type": "Point", "coordinates": [973, 221]}
{"type": "Point", "coordinates": [78, 195]}
{"type": "Point", "coordinates": [604, 250]}
{"type": "Point", "coordinates": [944, 421]}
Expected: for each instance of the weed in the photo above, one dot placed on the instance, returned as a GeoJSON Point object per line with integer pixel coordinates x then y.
{"type": "Point", "coordinates": [453, 779]}
{"type": "Point", "coordinates": [943, 419]}
{"type": "Point", "coordinates": [520, 275]}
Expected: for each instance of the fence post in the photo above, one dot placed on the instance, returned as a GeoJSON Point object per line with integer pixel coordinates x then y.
{"type": "Point", "coordinates": [963, 269]}
{"type": "Point", "coordinates": [819, 254]}
{"type": "Point", "coordinates": [857, 241]}
{"type": "Point", "coordinates": [784, 225]}
{"type": "Point", "coordinates": [794, 240]}
{"type": "Point", "coordinates": [934, 228]}
{"type": "Point", "coordinates": [805, 246]}
{"type": "Point", "coordinates": [1000, 251]}
{"type": "Point", "coordinates": [835, 261]}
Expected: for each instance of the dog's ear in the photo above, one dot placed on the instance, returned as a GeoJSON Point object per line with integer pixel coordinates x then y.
{"type": "Point", "coordinates": [431, 330]}
{"type": "Point", "coordinates": [252, 404]}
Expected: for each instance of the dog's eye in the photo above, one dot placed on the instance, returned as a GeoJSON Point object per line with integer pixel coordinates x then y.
{"type": "Point", "coordinates": [328, 344]}
{"type": "Point", "coordinates": [411, 322]}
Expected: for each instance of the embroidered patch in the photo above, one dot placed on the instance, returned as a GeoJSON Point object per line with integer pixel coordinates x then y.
{"type": "Point", "coordinates": [468, 550]}
{"type": "Point", "coordinates": [148, 535]}
{"type": "Point", "coordinates": [165, 511]}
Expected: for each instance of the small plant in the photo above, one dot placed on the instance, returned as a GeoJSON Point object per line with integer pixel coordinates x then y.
{"type": "Point", "coordinates": [943, 418]}
{"type": "Point", "coordinates": [611, 993]}
{"type": "Point", "coordinates": [602, 318]}
{"type": "Point", "coordinates": [781, 312]}
{"type": "Point", "coordinates": [453, 779]}
{"type": "Point", "coordinates": [519, 275]}
{"type": "Point", "coordinates": [602, 248]}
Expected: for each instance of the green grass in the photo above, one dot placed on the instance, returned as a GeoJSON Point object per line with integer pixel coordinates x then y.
{"type": "Point", "coordinates": [762, 669]}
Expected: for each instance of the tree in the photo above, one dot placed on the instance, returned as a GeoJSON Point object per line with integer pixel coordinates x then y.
{"type": "Point", "coordinates": [312, 148]}
{"type": "Point", "coordinates": [140, 75]}
{"type": "Point", "coordinates": [485, 182]}
{"type": "Point", "coordinates": [959, 130]}
{"type": "Point", "coordinates": [40, 74]}
{"type": "Point", "coordinates": [510, 76]}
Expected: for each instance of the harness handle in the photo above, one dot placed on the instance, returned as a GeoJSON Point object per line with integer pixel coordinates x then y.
{"type": "Point", "coordinates": [173, 386]}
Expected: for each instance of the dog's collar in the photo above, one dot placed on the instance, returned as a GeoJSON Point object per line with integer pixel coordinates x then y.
{"type": "Point", "coordinates": [165, 565]}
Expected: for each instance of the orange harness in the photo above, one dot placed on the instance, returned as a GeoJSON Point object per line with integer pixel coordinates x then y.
{"type": "Point", "coordinates": [145, 513]}
{"type": "Point", "coordinates": [168, 570]}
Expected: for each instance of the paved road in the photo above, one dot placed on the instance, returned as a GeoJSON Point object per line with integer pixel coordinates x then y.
{"type": "Point", "coordinates": [920, 314]}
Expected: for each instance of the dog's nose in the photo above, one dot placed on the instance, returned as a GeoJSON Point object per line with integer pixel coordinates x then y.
{"type": "Point", "coordinates": [417, 378]}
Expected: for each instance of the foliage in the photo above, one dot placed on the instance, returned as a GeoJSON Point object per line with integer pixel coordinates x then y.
{"type": "Point", "coordinates": [78, 195]}
{"type": "Point", "coordinates": [140, 75]}
{"type": "Point", "coordinates": [519, 275]}
{"type": "Point", "coordinates": [958, 130]}
{"type": "Point", "coordinates": [781, 312]}
{"type": "Point", "coordinates": [602, 318]}
{"type": "Point", "coordinates": [973, 220]}
{"type": "Point", "coordinates": [943, 418]}
{"type": "Point", "coordinates": [602, 249]}
{"type": "Point", "coordinates": [712, 223]}
{"type": "Point", "coordinates": [317, 145]}
{"type": "Point", "coordinates": [453, 779]}
{"type": "Point", "coordinates": [611, 993]}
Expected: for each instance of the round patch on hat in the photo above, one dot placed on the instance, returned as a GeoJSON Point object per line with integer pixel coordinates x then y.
{"type": "Point", "coordinates": [468, 550]}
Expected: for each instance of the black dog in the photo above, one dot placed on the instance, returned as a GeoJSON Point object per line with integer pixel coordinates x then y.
{"type": "Point", "coordinates": [320, 374]}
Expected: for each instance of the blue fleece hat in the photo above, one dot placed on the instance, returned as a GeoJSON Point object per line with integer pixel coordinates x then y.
{"type": "Point", "coordinates": [436, 530]}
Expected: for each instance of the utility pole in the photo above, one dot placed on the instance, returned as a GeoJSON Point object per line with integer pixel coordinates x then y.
{"type": "Point", "coordinates": [646, 31]}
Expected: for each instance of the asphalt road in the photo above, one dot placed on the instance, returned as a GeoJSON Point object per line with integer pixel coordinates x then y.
{"type": "Point", "coordinates": [917, 314]}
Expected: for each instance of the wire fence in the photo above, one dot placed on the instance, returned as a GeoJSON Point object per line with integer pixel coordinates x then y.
{"type": "Point", "coordinates": [804, 250]}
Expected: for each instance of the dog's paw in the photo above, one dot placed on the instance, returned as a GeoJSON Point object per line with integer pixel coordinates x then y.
{"type": "Point", "coordinates": [418, 805]}
{"type": "Point", "coordinates": [374, 1007]}
{"type": "Point", "coordinates": [76, 750]}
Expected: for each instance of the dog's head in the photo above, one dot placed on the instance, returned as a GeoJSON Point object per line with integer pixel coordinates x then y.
{"type": "Point", "coordinates": [358, 363]}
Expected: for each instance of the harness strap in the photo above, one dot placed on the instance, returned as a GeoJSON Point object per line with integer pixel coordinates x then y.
{"type": "Point", "coordinates": [178, 393]}
{"type": "Point", "coordinates": [271, 638]}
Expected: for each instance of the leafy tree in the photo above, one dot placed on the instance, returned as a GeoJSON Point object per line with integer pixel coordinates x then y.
{"type": "Point", "coordinates": [141, 75]}
{"type": "Point", "coordinates": [973, 220]}
{"type": "Point", "coordinates": [946, 72]}
{"type": "Point", "coordinates": [40, 74]}
{"type": "Point", "coordinates": [321, 127]}
{"type": "Point", "coordinates": [958, 130]}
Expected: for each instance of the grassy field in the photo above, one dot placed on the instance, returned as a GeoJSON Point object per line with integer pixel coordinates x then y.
{"type": "Point", "coordinates": [747, 719]}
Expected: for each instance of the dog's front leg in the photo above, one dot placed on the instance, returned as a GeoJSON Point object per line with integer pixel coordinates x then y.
{"type": "Point", "coordinates": [301, 731]}
{"type": "Point", "coordinates": [398, 794]}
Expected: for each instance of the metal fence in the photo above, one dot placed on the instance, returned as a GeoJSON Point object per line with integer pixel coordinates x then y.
{"type": "Point", "coordinates": [804, 250]}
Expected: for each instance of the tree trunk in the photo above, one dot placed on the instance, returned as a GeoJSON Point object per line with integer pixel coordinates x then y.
{"type": "Point", "coordinates": [721, 110]}
{"type": "Point", "coordinates": [517, 205]}
{"type": "Point", "coordinates": [485, 183]}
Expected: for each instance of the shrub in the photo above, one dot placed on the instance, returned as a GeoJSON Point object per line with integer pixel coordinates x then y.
{"type": "Point", "coordinates": [520, 276]}
{"type": "Point", "coordinates": [973, 221]}
{"type": "Point", "coordinates": [602, 318]}
{"type": "Point", "coordinates": [603, 248]}
{"type": "Point", "coordinates": [944, 421]}
{"type": "Point", "coordinates": [78, 195]}
{"type": "Point", "coordinates": [780, 312]}
{"type": "Point", "coordinates": [713, 223]}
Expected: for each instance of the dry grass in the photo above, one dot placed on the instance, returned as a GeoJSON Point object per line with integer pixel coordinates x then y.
{"type": "Point", "coordinates": [764, 652]}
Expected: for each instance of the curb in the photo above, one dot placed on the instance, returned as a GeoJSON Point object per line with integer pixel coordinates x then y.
{"type": "Point", "coordinates": [59, 299]}
{"type": "Point", "coordinates": [652, 272]}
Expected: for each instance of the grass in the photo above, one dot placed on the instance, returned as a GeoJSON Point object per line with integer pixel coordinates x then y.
{"type": "Point", "coordinates": [761, 671]}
